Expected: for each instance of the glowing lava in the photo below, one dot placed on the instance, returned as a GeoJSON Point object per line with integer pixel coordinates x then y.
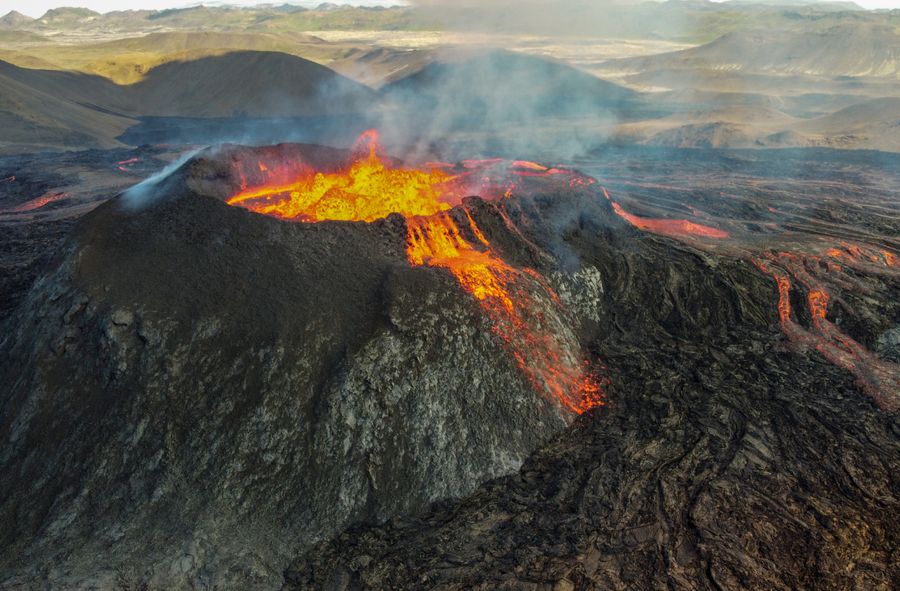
{"type": "Point", "coordinates": [666, 227]}
{"type": "Point", "coordinates": [368, 191]}
{"type": "Point", "coordinates": [876, 377]}
{"type": "Point", "coordinates": [523, 309]}
{"type": "Point", "coordinates": [37, 202]}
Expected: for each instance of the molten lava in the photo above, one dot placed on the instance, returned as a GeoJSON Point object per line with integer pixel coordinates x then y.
{"type": "Point", "coordinates": [368, 191]}
{"type": "Point", "coordinates": [667, 227]}
{"type": "Point", "coordinates": [875, 376]}
{"type": "Point", "coordinates": [523, 309]}
{"type": "Point", "coordinates": [37, 202]}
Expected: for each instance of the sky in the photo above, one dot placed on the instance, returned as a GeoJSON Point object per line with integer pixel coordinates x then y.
{"type": "Point", "coordinates": [36, 8]}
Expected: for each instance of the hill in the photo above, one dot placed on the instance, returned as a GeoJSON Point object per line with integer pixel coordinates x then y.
{"type": "Point", "coordinates": [67, 17]}
{"type": "Point", "coordinates": [255, 84]}
{"type": "Point", "coordinates": [873, 124]}
{"type": "Point", "coordinates": [468, 90]}
{"type": "Point", "coordinates": [850, 49]}
{"type": "Point", "coordinates": [14, 20]}
{"type": "Point", "coordinates": [42, 109]}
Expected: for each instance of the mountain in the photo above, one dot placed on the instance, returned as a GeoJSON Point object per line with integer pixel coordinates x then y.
{"type": "Point", "coordinates": [258, 384]}
{"type": "Point", "coordinates": [255, 84]}
{"type": "Point", "coordinates": [851, 49]}
{"type": "Point", "coordinates": [872, 124]}
{"type": "Point", "coordinates": [500, 88]}
{"type": "Point", "coordinates": [67, 17]}
{"type": "Point", "coordinates": [14, 20]}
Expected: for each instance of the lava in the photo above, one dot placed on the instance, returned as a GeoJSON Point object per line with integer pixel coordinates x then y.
{"type": "Point", "coordinates": [876, 377]}
{"type": "Point", "coordinates": [124, 165]}
{"type": "Point", "coordinates": [37, 202]}
{"type": "Point", "coordinates": [676, 228]}
{"type": "Point", "coordinates": [368, 191]}
{"type": "Point", "coordinates": [524, 311]}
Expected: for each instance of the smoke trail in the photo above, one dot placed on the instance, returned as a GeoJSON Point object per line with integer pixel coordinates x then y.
{"type": "Point", "coordinates": [142, 193]}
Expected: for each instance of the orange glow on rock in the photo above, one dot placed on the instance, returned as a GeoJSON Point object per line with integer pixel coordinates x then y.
{"type": "Point", "coordinates": [37, 202]}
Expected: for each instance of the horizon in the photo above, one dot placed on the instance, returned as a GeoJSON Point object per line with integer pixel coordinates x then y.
{"type": "Point", "coordinates": [37, 8]}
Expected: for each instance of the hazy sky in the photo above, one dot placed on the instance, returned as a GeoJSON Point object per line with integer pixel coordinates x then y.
{"type": "Point", "coordinates": [36, 8]}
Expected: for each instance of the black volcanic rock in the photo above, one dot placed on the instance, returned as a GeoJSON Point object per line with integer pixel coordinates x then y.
{"type": "Point", "coordinates": [692, 479]}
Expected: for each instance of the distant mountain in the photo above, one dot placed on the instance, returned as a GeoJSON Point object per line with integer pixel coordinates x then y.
{"type": "Point", "coordinates": [851, 49]}
{"type": "Point", "coordinates": [869, 124]}
{"type": "Point", "coordinates": [824, 5]}
{"type": "Point", "coordinates": [14, 20]}
{"type": "Point", "coordinates": [249, 83]}
{"type": "Point", "coordinates": [67, 16]}
{"type": "Point", "coordinates": [874, 123]}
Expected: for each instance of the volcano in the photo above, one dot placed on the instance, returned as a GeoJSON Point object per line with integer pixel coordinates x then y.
{"type": "Point", "coordinates": [319, 368]}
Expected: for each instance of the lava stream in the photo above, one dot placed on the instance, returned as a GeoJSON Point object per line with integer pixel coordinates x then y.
{"type": "Point", "coordinates": [675, 228]}
{"type": "Point", "coordinates": [876, 377]}
{"type": "Point", "coordinates": [518, 304]}
{"type": "Point", "coordinates": [37, 202]}
{"type": "Point", "coordinates": [523, 309]}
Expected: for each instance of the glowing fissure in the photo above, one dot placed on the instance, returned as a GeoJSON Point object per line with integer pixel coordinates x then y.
{"type": "Point", "coordinates": [524, 311]}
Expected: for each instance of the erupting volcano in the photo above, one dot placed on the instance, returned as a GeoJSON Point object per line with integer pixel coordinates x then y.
{"type": "Point", "coordinates": [524, 310]}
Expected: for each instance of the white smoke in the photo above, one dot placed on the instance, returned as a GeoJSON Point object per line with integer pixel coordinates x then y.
{"type": "Point", "coordinates": [143, 193]}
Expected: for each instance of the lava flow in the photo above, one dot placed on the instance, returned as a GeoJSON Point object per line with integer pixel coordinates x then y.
{"type": "Point", "coordinates": [524, 310]}
{"type": "Point", "coordinates": [876, 377]}
{"type": "Point", "coordinates": [675, 228]}
{"type": "Point", "coordinates": [37, 202]}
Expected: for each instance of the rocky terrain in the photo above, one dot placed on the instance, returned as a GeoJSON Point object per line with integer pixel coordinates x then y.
{"type": "Point", "coordinates": [205, 396]}
{"type": "Point", "coordinates": [613, 303]}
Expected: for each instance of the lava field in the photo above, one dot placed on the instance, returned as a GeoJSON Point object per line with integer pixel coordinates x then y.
{"type": "Point", "coordinates": [302, 367]}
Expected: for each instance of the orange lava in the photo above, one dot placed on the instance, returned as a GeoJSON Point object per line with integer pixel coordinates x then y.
{"type": "Point", "coordinates": [875, 376]}
{"type": "Point", "coordinates": [667, 227]}
{"type": "Point", "coordinates": [523, 309]}
{"type": "Point", "coordinates": [818, 303]}
{"type": "Point", "coordinates": [37, 202]}
{"type": "Point", "coordinates": [368, 191]}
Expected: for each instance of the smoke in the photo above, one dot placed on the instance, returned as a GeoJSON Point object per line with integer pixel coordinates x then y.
{"type": "Point", "coordinates": [499, 103]}
{"type": "Point", "coordinates": [143, 193]}
{"type": "Point", "coordinates": [477, 99]}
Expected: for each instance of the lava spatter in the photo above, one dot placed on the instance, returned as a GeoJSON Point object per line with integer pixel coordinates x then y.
{"type": "Point", "coordinates": [524, 311]}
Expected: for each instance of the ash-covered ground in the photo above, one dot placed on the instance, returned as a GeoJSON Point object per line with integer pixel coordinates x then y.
{"type": "Point", "coordinates": [203, 396]}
